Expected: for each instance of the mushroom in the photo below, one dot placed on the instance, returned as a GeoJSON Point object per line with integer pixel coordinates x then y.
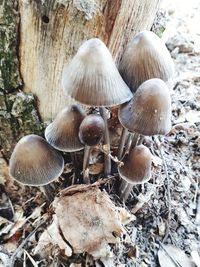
{"type": "Point", "coordinates": [148, 113]}
{"type": "Point", "coordinates": [92, 78]}
{"type": "Point", "coordinates": [35, 163]}
{"type": "Point", "coordinates": [62, 133]}
{"type": "Point", "coordinates": [136, 168]}
{"type": "Point", "coordinates": [145, 57]}
{"type": "Point", "coordinates": [91, 132]}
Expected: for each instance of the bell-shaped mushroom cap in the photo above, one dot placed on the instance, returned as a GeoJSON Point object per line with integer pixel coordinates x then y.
{"type": "Point", "coordinates": [34, 162]}
{"type": "Point", "coordinates": [92, 130]}
{"type": "Point", "coordinates": [149, 112]}
{"type": "Point", "coordinates": [92, 77]}
{"type": "Point", "coordinates": [62, 133]}
{"type": "Point", "coordinates": [146, 57]}
{"type": "Point", "coordinates": [137, 165]}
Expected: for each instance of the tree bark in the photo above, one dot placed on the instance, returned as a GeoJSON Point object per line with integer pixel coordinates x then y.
{"type": "Point", "coordinates": [40, 36]}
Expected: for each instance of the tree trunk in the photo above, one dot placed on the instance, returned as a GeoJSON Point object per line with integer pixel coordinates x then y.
{"type": "Point", "coordinates": [38, 37]}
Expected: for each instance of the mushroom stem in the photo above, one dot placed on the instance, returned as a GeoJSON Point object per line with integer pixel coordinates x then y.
{"type": "Point", "coordinates": [128, 144]}
{"type": "Point", "coordinates": [86, 158]}
{"type": "Point", "coordinates": [76, 167]}
{"type": "Point", "coordinates": [47, 191]}
{"type": "Point", "coordinates": [107, 160]}
{"type": "Point", "coordinates": [125, 188]}
{"type": "Point", "coordinates": [127, 191]}
{"type": "Point", "coordinates": [122, 142]}
{"type": "Point", "coordinates": [135, 140]}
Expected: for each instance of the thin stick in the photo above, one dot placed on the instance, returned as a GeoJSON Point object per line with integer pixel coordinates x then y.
{"type": "Point", "coordinates": [157, 142]}
{"type": "Point", "coordinates": [76, 167]}
{"type": "Point", "coordinates": [122, 142]}
{"type": "Point", "coordinates": [14, 256]}
{"type": "Point", "coordinates": [86, 178]}
{"type": "Point", "coordinates": [107, 160]}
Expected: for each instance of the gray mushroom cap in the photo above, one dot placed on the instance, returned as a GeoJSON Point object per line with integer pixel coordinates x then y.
{"type": "Point", "coordinates": [92, 78]}
{"type": "Point", "coordinates": [137, 165]}
{"type": "Point", "coordinates": [92, 130]}
{"type": "Point", "coordinates": [34, 162]}
{"type": "Point", "coordinates": [62, 133]}
{"type": "Point", "coordinates": [149, 111]}
{"type": "Point", "coordinates": [146, 57]}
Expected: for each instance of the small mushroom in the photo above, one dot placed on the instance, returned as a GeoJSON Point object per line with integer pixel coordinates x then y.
{"type": "Point", "coordinates": [148, 113]}
{"type": "Point", "coordinates": [146, 57]}
{"type": "Point", "coordinates": [92, 78]}
{"type": "Point", "coordinates": [91, 132]}
{"type": "Point", "coordinates": [62, 133]}
{"type": "Point", "coordinates": [35, 163]}
{"type": "Point", "coordinates": [136, 168]}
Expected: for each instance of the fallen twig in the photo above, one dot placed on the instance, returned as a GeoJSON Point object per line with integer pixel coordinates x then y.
{"type": "Point", "coordinates": [115, 159]}
{"type": "Point", "coordinates": [15, 254]}
{"type": "Point", "coordinates": [159, 146]}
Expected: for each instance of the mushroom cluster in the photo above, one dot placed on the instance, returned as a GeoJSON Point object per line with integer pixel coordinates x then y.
{"type": "Point", "coordinates": [141, 89]}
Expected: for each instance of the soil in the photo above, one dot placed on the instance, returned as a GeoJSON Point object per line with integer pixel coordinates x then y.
{"type": "Point", "coordinates": [167, 208]}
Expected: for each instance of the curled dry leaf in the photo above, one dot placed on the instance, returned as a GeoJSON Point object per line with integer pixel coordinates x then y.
{"type": "Point", "coordinates": [87, 220]}
{"type": "Point", "coordinates": [49, 238]}
{"type": "Point", "coordinates": [171, 256]}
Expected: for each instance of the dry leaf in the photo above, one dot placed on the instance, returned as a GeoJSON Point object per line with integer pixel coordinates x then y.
{"type": "Point", "coordinates": [87, 220]}
{"type": "Point", "coordinates": [96, 168]}
{"type": "Point", "coordinates": [171, 256]}
{"type": "Point", "coordinates": [90, 220]}
{"type": "Point", "coordinates": [49, 238]}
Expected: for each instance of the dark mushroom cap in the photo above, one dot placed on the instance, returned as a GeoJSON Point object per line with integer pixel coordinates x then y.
{"type": "Point", "coordinates": [34, 162]}
{"type": "Point", "coordinates": [149, 111]}
{"type": "Point", "coordinates": [62, 133]}
{"type": "Point", "coordinates": [92, 78]}
{"type": "Point", "coordinates": [137, 165]}
{"type": "Point", "coordinates": [146, 57]}
{"type": "Point", "coordinates": [92, 130]}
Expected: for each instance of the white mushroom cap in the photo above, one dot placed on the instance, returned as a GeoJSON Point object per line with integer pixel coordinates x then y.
{"type": "Point", "coordinates": [34, 162]}
{"type": "Point", "coordinates": [146, 57]}
{"type": "Point", "coordinates": [92, 78]}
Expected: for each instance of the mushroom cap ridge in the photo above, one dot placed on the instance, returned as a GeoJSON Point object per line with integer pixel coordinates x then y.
{"type": "Point", "coordinates": [34, 162]}
{"type": "Point", "coordinates": [62, 133]}
{"type": "Point", "coordinates": [146, 57]}
{"type": "Point", "coordinates": [92, 78]}
{"type": "Point", "coordinates": [149, 111]}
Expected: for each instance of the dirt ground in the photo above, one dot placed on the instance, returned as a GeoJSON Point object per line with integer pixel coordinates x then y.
{"type": "Point", "coordinates": [166, 209]}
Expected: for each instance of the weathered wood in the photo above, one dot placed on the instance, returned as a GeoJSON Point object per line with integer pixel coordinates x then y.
{"type": "Point", "coordinates": [51, 32]}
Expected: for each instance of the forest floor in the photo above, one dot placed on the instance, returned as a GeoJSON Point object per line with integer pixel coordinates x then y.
{"type": "Point", "coordinates": [165, 226]}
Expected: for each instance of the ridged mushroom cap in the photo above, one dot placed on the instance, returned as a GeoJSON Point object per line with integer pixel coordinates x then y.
{"type": "Point", "coordinates": [92, 130]}
{"type": "Point", "coordinates": [146, 57]}
{"type": "Point", "coordinates": [92, 78]}
{"type": "Point", "coordinates": [137, 165]}
{"type": "Point", "coordinates": [149, 111]}
{"type": "Point", "coordinates": [62, 133]}
{"type": "Point", "coordinates": [34, 162]}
